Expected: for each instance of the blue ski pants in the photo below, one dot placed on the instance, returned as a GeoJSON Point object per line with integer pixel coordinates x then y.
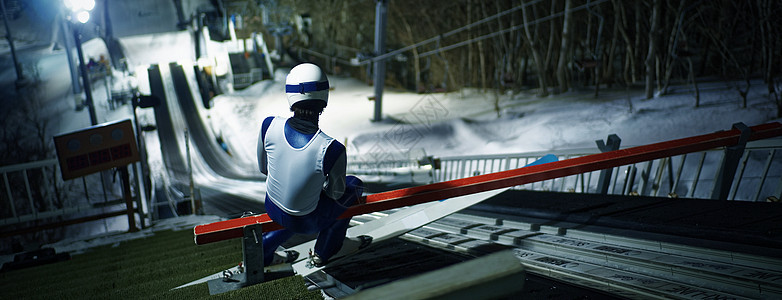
{"type": "Point", "coordinates": [323, 221]}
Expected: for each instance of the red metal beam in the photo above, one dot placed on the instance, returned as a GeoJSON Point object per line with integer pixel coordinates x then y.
{"type": "Point", "coordinates": [229, 229]}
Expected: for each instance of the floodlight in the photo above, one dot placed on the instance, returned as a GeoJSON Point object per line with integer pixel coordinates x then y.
{"type": "Point", "coordinates": [79, 5]}
{"type": "Point", "coordinates": [87, 5]}
{"type": "Point", "coordinates": [83, 16]}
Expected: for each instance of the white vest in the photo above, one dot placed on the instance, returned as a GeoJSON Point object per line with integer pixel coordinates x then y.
{"type": "Point", "coordinates": [296, 176]}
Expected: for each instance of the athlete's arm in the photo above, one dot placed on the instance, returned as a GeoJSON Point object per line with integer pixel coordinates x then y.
{"type": "Point", "coordinates": [334, 167]}
{"type": "Point", "coordinates": [262, 159]}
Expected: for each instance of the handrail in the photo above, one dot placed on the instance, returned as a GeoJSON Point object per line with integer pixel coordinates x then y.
{"type": "Point", "coordinates": [18, 215]}
{"type": "Point", "coordinates": [229, 229]}
{"type": "Point", "coordinates": [674, 176]}
{"type": "Point", "coordinates": [54, 198]}
{"type": "Point", "coordinates": [28, 165]}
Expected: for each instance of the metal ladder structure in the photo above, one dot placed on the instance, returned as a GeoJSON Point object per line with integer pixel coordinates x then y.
{"type": "Point", "coordinates": [633, 268]}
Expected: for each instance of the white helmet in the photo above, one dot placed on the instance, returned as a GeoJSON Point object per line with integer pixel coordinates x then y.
{"type": "Point", "coordinates": [306, 82]}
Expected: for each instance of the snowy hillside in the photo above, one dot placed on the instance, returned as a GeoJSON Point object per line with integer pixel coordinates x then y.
{"type": "Point", "coordinates": [467, 122]}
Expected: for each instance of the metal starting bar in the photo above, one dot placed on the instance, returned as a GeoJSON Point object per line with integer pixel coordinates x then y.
{"type": "Point", "coordinates": [251, 271]}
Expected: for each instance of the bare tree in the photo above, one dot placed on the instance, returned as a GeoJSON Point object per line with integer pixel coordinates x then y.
{"type": "Point", "coordinates": [769, 37]}
{"type": "Point", "coordinates": [24, 137]}
{"type": "Point", "coordinates": [609, 64]}
{"type": "Point", "coordinates": [620, 20]}
{"type": "Point", "coordinates": [650, 56]}
{"type": "Point", "coordinates": [562, 72]}
{"type": "Point", "coordinates": [532, 42]}
{"type": "Point", "coordinates": [735, 43]}
{"type": "Point", "coordinates": [651, 41]}
{"type": "Point", "coordinates": [597, 53]}
{"type": "Point", "coordinates": [411, 40]}
{"type": "Point", "coordinates": [670, 55]}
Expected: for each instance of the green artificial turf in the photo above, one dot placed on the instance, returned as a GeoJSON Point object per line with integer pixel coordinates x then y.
{"type": "Point", "coordinates": [145, 268]}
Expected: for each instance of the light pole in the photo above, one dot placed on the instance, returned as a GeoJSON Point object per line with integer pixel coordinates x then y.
{"type": "Point", "coordinates": [19, 76]}
{"type": "Point", "coordinates": [380, 49]}
{"type": "Point", "coordinates": [80, 12]}
{"type": "Point", "coordinates": [143, 101]}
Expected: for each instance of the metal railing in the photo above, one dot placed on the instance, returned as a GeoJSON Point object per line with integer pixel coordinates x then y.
{"type": "Point", "coordinates": [243, 80]}
{"type": "Point", "coordinates": [694, 175]}
{"type": "Point", "coordinates": [35, 191]}
{"type": "Point", "coordinates": [385, 162]}
{"type": "Point", "coordinates": [17, 186]}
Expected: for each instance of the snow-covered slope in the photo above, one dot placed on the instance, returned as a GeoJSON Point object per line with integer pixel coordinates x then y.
{"type": "Point", "coordinates": [467, 122]}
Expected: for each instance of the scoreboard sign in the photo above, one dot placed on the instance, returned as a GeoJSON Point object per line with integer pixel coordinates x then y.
{"type": "Point", "coordinates": [97, 148]}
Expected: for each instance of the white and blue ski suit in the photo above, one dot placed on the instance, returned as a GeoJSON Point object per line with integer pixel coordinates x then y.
{"type": "Point", "coordinates": [306, 186]}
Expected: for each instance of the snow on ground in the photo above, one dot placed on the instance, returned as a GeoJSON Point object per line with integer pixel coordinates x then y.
{"type": "Point", "coordinates": [467, 123]}
{"type": "Point", "coordinates": [159, 48]}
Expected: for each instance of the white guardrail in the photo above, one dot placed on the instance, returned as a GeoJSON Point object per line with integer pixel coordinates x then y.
{"type": "Point", "coordinates": [243, 80]}
{"type": "Point", "coordinates": [35, 191]}
{"type": "Point", "coordinates": [758, 176]}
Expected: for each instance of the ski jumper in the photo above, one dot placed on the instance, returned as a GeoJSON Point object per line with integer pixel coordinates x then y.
{"type": "Point", "coordinates": [306, 186]}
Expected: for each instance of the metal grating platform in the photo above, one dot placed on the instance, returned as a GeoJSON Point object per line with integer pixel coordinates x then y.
{"type": "Point", "coordinates": [627, 247]}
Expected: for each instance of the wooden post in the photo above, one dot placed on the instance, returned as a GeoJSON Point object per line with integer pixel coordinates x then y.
{"type": "Point", "coordinates": [128, 201]}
